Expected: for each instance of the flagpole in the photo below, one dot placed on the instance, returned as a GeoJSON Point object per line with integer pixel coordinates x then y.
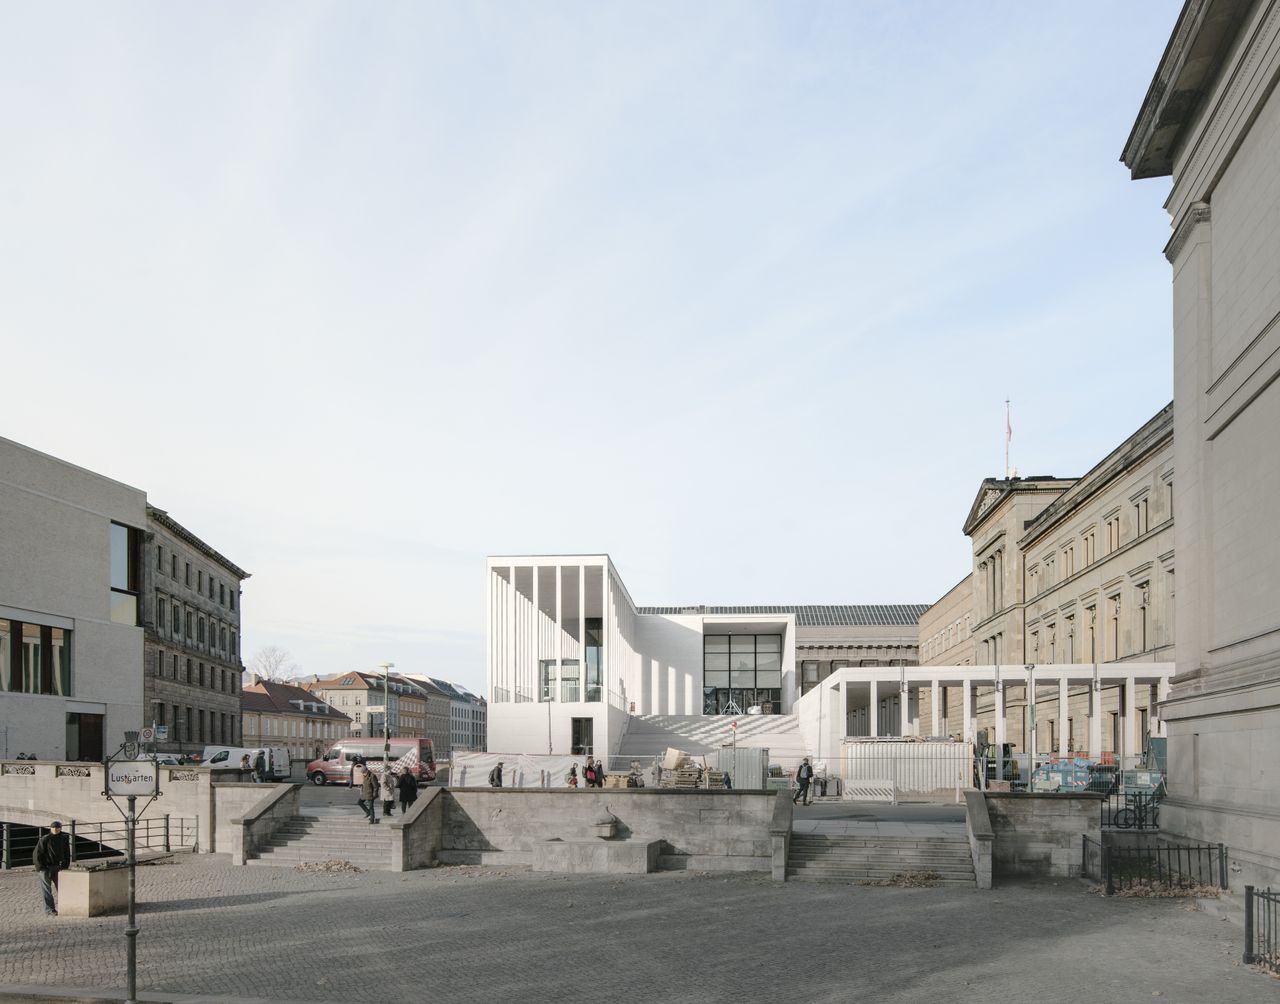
{"type": "Point", "coordinates": [1008, 430]}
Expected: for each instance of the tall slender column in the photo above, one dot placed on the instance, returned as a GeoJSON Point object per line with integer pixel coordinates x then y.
{"type": "Point", "coordinates": [1095, 716]}
{"type": "Point", "coordinates": [1162, 695]}
{"type": "Point", "coordinates": [873, 711]}
{"type": "Point", "coordinates": [536, 635]}
{"type": "Point", "coordinates": [935, 704]}
{"type": "Point", "coordinates": [606, 626]}
{"type": "Point", "coordinates": [582, 631]}
{"type": "Point", "coordinates": [999, 699]}
{"type": "Point", "coordinates": [904, 708]}
{"type": "Point", "coordinates": [967, 728]}
{"type": "Point", "coordinates": [842, 730]}
{"type": "Point", "coordinates": [1064, 709]}
{"type": "Point", "coordinates": [1132, 741]}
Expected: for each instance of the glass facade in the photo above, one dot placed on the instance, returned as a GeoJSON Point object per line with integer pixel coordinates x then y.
{"type": "Point", "coordinates": [34, 658]}
{"type": "Point", "coordinates": [126, 578]}
{"type": "Point", "coordinates": [741, 671]}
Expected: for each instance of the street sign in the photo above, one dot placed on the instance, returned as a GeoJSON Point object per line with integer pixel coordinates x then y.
{"type": "Point", "coordinates": [132, 777]}
{"type": "Point", "coordinates": [147, 735]}
{"type": "Point", "coordinates": [162, 733]}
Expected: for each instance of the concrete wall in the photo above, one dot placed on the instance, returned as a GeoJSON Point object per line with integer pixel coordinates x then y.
{"type": "Point", "coordinates": [1041, 835]}
{"type": "Point", "coordinates": [704, 830]}
{"type": "Point", "coordinates": [55, 570]}
{"type": "Point", "coordinates": [36, 793]}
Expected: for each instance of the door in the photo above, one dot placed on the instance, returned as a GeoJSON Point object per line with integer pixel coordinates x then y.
{"type": "Point", "coordinates": [583, 739]}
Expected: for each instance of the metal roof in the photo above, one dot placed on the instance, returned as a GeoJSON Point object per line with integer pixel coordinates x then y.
{"type": "Point", "coordinates": [815, 616]}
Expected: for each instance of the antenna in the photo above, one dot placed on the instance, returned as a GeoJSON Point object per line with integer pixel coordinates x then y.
{"type": "Point", "coordinates": [1008, 435]}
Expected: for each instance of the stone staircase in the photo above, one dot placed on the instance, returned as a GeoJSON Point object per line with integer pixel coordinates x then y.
{"type": "Point", "coordinates": [329, 838]}
{"type": "Point", "coordinates": [816, 857]}
{"type": "Point", "coordinates": [650, 735]}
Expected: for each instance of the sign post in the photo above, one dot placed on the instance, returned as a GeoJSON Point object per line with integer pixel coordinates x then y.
{"type": "Point", "coordinates": [131, 779]}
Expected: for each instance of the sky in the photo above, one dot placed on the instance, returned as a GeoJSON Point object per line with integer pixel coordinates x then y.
{"type": "Point", "coordinates": [734, 292]}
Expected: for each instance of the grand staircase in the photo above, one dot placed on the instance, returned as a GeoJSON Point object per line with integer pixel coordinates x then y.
{"type": "Point", "coordinates": [651, 735]}
{"type": "Point", "coordinates": [817, 857]}
{"type": "Point", "coordinates": [329, 838]}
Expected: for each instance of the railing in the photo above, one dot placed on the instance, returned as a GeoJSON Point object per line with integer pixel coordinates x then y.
{"type": "Point", "coordinates": [89, 840]}
{"type": "Point", "coordinates": [1261, 942]}
{"type": "Point", "coordinates": [1157, 866]}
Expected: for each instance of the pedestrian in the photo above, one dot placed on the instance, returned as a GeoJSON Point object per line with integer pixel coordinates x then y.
{"type": "Point", "coordinates": [589, 774]}
{"type": "Point", "coordinates": [52, 854]}
{"type": "Point", "coordinates": [803, 776]}
{"type": "Point", "coordinates": [388, 787]}
{"type": "Point", "coordinates": [368, 793]}
{"type": "Point", "coordinates": [495, 776]}
{"type": "Point", "coordinates": [408, 787]}
{"type": "Point", "coordinates": [599, 773]}
{"type": "Point", "coordinates": [259, 768]}
{"type": "Point", "coordinates": [573, 775]}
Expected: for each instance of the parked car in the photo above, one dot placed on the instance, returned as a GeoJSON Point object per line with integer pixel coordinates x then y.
{"type": "Point", "coordinates": [336, 765]}
{"type": "Point", "coordinates": [163, 759]}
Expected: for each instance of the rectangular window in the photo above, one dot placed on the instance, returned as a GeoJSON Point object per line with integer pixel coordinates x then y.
{"type": "Point", "coordinates": [199, 581]}
{"type": "Point", "coordinates": [200, 676]}
{"type": "Point", "coordinates": [159, 663]}
{"type": "Point", "coordinates": [35, 658]}
{"type": "Point", "coordinates": [161, 607]}
{"type": "Point", "coordinates": [177, 619]}
{"type": "Point", "coordinates": [200, 630]}
{"type": "Point", "coordinates": [173, 566]}
{"type": "Point", "coordinates": [190, 672]}
{"type": "Point", "coordinates": [222, 594]}
{"type": "Point", "coordinates": [173, 666]}
{"type": "Point", "coordinates": [188, 573]}
{"type": "Point", "coordinates": [210, 587]}
{"type": "Point", "coordinates": [126, 573]}
{"type": "Point", "coordinates": [1141, 521]}
{"type": "Point", "coordinates": [160, 559]}
{"type": "Point", "coordinates": [231, 597]}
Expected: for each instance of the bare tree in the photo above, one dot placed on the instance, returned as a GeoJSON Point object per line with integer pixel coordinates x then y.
{"type": "Point", "coordinates": [273, 663]}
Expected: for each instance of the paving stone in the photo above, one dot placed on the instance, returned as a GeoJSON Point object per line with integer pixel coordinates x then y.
{"type": "Point", "coordinates": [470, 934]}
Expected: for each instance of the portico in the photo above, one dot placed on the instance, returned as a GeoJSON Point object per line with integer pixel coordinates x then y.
{"type": "Point", "coordinates": [925, 701]}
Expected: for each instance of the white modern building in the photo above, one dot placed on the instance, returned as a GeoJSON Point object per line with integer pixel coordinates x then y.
{"type": "Point", "coordinates": [70, 589]}
{"type": "Point", "coordinates": [571, 658]}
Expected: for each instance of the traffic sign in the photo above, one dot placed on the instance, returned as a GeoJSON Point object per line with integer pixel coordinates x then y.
{"type": "Point", "coordinates": [147, 735]}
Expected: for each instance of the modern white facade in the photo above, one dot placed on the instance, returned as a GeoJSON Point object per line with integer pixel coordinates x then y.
{"type": "Point", "coordinates": [570, 656]}
{"type": "Point", "coordinates": [70, 590]}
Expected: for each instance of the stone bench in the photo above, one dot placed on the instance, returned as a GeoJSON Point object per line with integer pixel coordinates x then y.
{"type": "Point", "coordinates": [594, 856]}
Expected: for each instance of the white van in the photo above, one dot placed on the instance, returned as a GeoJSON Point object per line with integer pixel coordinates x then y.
{"type": "Point", "coordinates": [228, 758]}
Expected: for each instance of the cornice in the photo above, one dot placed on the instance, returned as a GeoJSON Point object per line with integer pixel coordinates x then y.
{"type": "Point", "coordinates": [1197, 214]}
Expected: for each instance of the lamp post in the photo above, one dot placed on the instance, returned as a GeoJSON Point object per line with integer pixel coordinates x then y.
{"type": "Point", "coordinates": [386, 668]}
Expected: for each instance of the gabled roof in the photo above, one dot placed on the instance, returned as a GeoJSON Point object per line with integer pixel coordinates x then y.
{"type": "Point", "coordinates": [278, 698]}
{"type": "Point", "coordinates": [994, 491]}
{"type": "Point", "coordinates": [815, 615]}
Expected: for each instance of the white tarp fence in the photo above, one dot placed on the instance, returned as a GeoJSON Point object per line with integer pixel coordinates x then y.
{"type": "Point", "coordinates": [519, 770]}
{"type": "Point", "coordinates": [911, 767]}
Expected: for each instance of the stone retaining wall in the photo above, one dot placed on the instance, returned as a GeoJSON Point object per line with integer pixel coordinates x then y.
{"type": "Point", "coordinates": [1039, 834]}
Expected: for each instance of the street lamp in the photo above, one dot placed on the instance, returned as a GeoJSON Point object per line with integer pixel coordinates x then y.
{"type": "Point", "coordinates": [386, 668]}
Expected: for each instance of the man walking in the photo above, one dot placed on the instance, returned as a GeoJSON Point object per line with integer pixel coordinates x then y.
{"type": "Point", "coordinates": [495, 776]}
{"type": "Point", "coordinates": [408, 789]}
{"type": "Point", "coordinates": [368, 793]}
{"type": "Point", "coordinates": [52, 854]}
{"type": "Point", "coordinates": [803, 776]}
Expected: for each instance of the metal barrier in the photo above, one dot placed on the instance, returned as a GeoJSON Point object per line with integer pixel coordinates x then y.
{"type": "Point", "coordinates": [91, 840]}
{"type": "Point", "coordinates": [1261, 944]}
{"type": "Point", "coordinates": [1156, 866]}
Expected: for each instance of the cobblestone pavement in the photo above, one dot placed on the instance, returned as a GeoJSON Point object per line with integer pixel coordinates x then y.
{"type": "Point", "coordinates": [472, 934]}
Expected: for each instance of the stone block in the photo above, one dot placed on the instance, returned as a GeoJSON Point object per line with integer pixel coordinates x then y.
{"type": "Point", "coordinates": [595, 856]}
{"type": "Point", "coordinates": [95, 891]}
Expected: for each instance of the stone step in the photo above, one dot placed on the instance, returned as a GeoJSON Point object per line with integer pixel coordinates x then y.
{"type": "Point", "coordinates": [801, 876]}
{"type": "Point", "coordinates": [887, 860]}
{"type": "Point", "coordinates": [322, 854]}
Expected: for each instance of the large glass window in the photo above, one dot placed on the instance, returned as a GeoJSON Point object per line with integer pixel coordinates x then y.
{"type": "Point", "coordinates": [126, 562]}
{"type": "Point", "coordinates": [592, 649]}
{"type": "Point", "coordinates": [547, 680]}
{"type": "Point", "coordinates": [569, 680]}
{"type": "Point", "coordinates": [34, 658]}
{"type": "Point", "coordinates": [740, 671]}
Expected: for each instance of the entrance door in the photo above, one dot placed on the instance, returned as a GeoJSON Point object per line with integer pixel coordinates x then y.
{"type": "Point", "coordinates": [84, 737]}
{"type": "Point", "coordinates": [583, 743]}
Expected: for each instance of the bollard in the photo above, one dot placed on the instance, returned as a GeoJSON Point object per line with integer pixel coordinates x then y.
{"type": "Point", "coordinates": [1248, 925]}
{"type": "Point", "coordinates": [166, 832]}
{"type": "Point", "coordinates": [1222, 865]}
{"type": "Point", "coordinates": [5, 861]}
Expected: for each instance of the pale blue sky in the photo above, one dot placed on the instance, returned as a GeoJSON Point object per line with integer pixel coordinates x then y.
{"type": "Point", "coordinates": [732, 291]}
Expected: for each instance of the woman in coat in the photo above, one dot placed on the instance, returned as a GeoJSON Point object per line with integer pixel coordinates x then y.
{"type": "Point", "coordinates": [388, 787]}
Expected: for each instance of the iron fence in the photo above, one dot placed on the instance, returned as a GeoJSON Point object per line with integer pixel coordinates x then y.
{"type": "Point", "coordinates": [1155, 866]}
{"type": "Point", "coordinates": [92, 840]}
{"type": "Point", "coordinates": [1135, 811]}
{"type": "Point", "coordinates": [1261, 944]}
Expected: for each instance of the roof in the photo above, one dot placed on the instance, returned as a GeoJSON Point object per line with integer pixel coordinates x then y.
{"type": "Point", "coordinates": [182, 533]}
{"type": "Point", "coordinates": [993, 491]}
{"type": "Point", "coordinates": [278, 698]}
{"type": "Point", "coordinates": [1192, 61]}
{"type": "Point", "coordinates": [816, 616]}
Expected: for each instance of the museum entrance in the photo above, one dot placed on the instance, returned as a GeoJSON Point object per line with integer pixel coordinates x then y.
{"type": "Point", "coordinates": [741, 672]}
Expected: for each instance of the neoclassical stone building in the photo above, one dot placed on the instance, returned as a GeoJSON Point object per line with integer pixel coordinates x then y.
{"type": "Point", "coordinates": [1067, 570]}
{"type": "Point", "coordinates": [191, 617]}
{"type": "Point", "coordinates": [1211, 122]}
